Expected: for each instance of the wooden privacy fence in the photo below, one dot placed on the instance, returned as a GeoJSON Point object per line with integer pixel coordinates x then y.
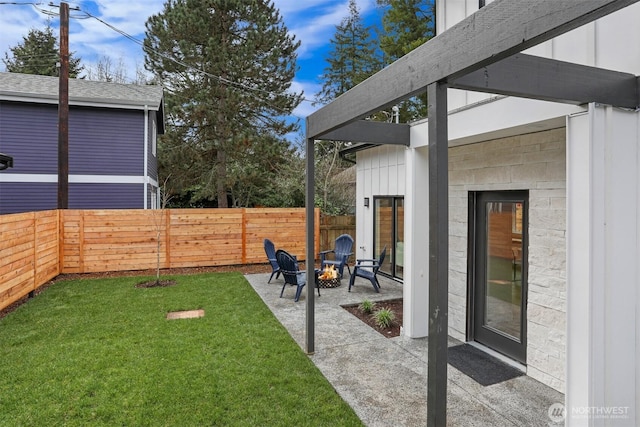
{"type": "Point", "coordinates": [333, 226]}
{"type": "Point", "coordinates": [29, 253]}
{"type": "Point", "coordinates": [37, 246]}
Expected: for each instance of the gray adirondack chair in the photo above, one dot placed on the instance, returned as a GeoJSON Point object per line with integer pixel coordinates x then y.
{"type": "Point", "coordinates": [292, 274]}
{"type": "Point", "coordinates": [368, 269]}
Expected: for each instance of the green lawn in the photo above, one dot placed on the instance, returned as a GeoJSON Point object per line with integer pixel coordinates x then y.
{"type": "Point", "coordinates": [100, 352]}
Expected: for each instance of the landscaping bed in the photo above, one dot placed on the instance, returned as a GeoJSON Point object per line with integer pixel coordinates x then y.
{"type": "Point", "coordinates": [394, 305]}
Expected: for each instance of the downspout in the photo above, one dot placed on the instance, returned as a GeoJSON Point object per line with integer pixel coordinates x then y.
{"type": "Point", "coordinates": [146, 157]}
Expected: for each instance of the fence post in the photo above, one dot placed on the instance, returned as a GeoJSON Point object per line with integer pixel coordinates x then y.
{"type": "Point", "coordinates": [35, 255]}
{"type": "Point", "coordinates": [244, 236]}
{"type": "Point", "coordinates": [167, 237]}
{"type": "Point", "coordinates": [81, 242]}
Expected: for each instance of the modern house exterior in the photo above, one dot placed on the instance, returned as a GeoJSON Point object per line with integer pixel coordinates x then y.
{"type": "Point", "coordinates": [540, 234]}
{"type": "Point", "coordinates": [112, 143]}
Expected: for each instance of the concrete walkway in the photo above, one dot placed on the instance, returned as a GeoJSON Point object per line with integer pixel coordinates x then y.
{"type": "Point", "coordinates": [384, 379]}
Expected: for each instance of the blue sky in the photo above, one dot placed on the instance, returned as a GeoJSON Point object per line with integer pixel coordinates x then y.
{"type": "Point", "coordinates": [312, 21]}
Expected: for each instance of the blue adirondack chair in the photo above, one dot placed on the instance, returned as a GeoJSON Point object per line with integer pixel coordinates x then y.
{"type": "Point", "coordinates": [270, 250]}
{"type": "Point", "coordinates": [341, 254]}
{"type": "Point", "coordinates": [368, 269]}
{"type": "Point", "coordinates": [292, 274]}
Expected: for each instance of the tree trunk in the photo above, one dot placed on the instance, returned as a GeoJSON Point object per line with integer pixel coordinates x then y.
{"type": "Point", "coordinates": [222, 179]}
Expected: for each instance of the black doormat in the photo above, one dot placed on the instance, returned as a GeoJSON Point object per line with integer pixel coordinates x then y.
{"type": "Point", "coordinates": [480, 366]}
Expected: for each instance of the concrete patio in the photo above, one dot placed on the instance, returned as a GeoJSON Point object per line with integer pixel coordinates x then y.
{"type": "Point", "coordinates": [384, 379]}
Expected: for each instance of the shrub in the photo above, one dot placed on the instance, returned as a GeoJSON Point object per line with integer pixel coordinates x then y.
{"type": "Point", "coordinates": [384, 317]}
{"type": "Point", "coordinates": [367, 306]}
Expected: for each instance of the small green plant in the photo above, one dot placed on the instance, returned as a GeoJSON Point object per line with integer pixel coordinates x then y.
{"type": "Point", "coordinates": [367, 306]}
{"type": "Point", "coordinates": [384, 317]}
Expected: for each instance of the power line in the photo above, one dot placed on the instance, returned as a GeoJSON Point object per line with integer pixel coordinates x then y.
{"type": "Point", "coordinates": [190, 67]}
{"type": "Point", "coordinates": [86, 15]}
{"type": "Point", "coordinates": [221, 79]}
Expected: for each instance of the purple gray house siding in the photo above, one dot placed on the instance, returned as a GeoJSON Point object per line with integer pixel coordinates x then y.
{"type": "Point", "coordinates": [110, 127]}
{"type": "Point", "coordinates": [106, 141]}
{"type": "Point", "coordinates": [29, 196]}
{"type": "Point", "coordinates": [101, 196]}
{"type": "Point", "coordinates": [16, 197]}
{"type": "Point", "coordinates": [26, 132]}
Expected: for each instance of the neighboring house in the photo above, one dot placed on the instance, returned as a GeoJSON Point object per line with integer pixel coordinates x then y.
{"type": "Point", "coordinates": [543, 197]}
{"type": "Point", "coordinates": [112, 143]}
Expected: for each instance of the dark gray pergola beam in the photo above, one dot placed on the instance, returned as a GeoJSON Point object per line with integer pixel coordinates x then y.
{"type": "Point", "coordinates": [370, 132]}
{"type": "Point", "coordinates": [497, 31]}
{"type": "Point", "coordinates": [527, 76]}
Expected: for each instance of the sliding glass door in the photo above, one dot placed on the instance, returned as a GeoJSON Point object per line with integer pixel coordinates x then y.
{"type": "Point", "coordinates": [388, 220]}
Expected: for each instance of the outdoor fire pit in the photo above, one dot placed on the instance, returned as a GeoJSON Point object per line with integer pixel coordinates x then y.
{"type": "Point", "coordinates": [329, 278]}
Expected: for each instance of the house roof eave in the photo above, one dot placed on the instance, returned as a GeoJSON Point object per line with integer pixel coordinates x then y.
{"type": "Point", "coordinates": [44, 89]}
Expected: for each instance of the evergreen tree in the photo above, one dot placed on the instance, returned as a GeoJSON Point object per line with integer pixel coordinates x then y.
{"type": "Point", "coordinates": [406, 25]}
{"type": "Point", "coordinates": [352, 57]}
{"type": "Point", "coordinates": [261, 174]}
{"type": "Point", "coordinates": [39, 54]}
{"type": "Point", "coordinates": [227, 66]}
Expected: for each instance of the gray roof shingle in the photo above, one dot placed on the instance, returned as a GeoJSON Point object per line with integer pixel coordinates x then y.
{"type": "Point", "coordinates": [17, 86]}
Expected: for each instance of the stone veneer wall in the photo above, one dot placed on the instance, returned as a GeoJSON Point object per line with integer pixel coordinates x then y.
{"type": "Point", "coordinates": [534, 162]}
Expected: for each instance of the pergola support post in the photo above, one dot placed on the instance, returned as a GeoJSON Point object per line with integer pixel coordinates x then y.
{"type": "Point", "coordinates": [310, 247]}
{"type": "Point", "coordinates": [438, 255]}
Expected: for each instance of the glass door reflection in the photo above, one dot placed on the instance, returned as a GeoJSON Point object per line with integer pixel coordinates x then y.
{"type": "Point", "coordinates": [503, 293]}
{"type": "Point", "coordinates": [498, 311]}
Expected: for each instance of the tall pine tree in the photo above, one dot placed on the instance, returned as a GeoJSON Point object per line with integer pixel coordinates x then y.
{"type": "Point", "coordinates": [227, 66]}
{"type": "Point", "coordinates": [406, 25]}
{"type": "Point", "coordinates": [39, 54]}
{"type": "Point", "coordinates": [352, 57]}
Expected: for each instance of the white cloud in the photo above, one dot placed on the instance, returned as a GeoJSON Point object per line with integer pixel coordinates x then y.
{"type": "Point", "coordinates": [306, 107]}
{"type": "Point", "coordinates": [312, 21]}
{"type": "Point", "coordinates": [94, 39]}
{"type": "Point", "coordinates": [135, 12]}
{"type": "Point", "coordinates": [291, 7]}
{"type": "Point", "coordinates": [89, 38]}
{"type": "Point", "coordinates": [15, 23]}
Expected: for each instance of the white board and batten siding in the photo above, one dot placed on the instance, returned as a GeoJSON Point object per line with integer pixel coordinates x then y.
{"type": "Point", "coordinates": [380, 172]}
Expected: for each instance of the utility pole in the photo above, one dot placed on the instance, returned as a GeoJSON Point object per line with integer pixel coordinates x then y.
{"type": "Point", "coordinates": [63, 110]}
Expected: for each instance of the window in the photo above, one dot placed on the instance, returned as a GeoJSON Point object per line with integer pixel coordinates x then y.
{"type": "Point", "coordinates": [154, 199]}
{"type": "Point", "coordinates": [154, 137]}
